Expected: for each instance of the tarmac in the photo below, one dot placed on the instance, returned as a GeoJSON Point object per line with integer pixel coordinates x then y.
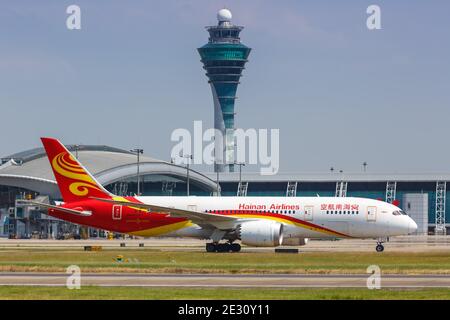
{"type": "Point", "coordinates": [231, 281]}
{"type": "Point", "coordinates": [397, 244]}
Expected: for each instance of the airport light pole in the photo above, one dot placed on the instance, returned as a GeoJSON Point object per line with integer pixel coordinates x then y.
{"type": "Point", "coordinates": [76, 147]}
{"type": "Point", "coordinates": [138, 152]}
{"type": "Point", "coordinates": [364, 165]}
{"type": "Point", "coordinates": [217, 184]}
{"type": "Point", "coordinates": [217, 180]}
{"type": "Point", "coordinates": [189, 157]}
{"type": "Point", "coordinates": [240, 164]}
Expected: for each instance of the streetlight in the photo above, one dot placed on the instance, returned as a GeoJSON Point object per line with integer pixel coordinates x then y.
{"type": "Point", "coordinates": [240, 164]}
{"type": "Point", "coordinates": [76, 147]}
{"type": "Point", "coordinates": [364, 165]}
{"type": "Point", "coordinates": [217, 179]}
{"type": "Point", "coordinates": [138, 152]}
{"type": "Point", "coordinates": [189, 157]}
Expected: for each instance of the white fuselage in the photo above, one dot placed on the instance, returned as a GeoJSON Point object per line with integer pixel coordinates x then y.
{"type": "Point", "coordinates": [301, 217]}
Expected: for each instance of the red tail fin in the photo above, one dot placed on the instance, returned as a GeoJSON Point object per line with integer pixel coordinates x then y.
{"type": "Point", "coordinates": [74, 181]}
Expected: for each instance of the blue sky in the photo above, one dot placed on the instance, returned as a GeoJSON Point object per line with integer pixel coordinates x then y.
{"type": "Point", "coordinates": [339, 93]}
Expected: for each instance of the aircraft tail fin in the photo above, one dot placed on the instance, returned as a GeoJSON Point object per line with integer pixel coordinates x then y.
{"type": "Point", "coordinates": [74, 181]}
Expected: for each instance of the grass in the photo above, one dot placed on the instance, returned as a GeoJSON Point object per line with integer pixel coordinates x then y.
{"type": "Point", "coordinates": [111, 293]}
{"type": "Point", "coordinates": [151, 261]}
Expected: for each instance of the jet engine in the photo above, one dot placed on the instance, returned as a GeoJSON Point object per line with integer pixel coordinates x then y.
{"type": "Point", "coordinates": [261, 233]}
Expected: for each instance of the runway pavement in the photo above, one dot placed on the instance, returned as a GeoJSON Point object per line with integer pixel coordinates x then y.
{"type": "Point", "coordinates": [219, 280]}
{"type": "Point", "coordinates": [396, 244]}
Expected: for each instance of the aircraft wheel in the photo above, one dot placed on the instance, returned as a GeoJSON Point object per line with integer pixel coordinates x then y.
{"type": "Point", "coordinates": [235, 247]}
{"type": "Point", "coordinates": [211, 247]}
{"type": "Point", "coordinates": [379, 248]}
{"type": "Point", "coordinates": [223, 247]}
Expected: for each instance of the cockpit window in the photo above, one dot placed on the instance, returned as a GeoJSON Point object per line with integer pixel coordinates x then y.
{"type": "Point", "coordinates": [399, 213]}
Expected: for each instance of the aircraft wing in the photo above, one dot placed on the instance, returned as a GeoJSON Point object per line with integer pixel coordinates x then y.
{"type": "Point", "coordinates": [200, 218]}
{"type": "Point", "coordinates": [52, 207]}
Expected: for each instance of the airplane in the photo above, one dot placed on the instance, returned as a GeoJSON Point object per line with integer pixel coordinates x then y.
{"type": "Point", "coordinates": [255, 221]}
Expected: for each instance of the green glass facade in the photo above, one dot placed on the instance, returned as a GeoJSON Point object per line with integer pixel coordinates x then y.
{"type": "Point", "coordinates": [224, 64]}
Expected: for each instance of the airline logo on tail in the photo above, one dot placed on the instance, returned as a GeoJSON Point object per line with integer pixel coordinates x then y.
{"type": "Point", "coordinates": [66, 165]}
{"type": "Point", "coordinates": [74, 181]}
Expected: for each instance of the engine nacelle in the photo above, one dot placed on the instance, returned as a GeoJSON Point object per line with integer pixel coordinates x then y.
{"type": "Point", "coordinates": [294, 241]}
{"type": "Point", "coordinates": [261, 233]}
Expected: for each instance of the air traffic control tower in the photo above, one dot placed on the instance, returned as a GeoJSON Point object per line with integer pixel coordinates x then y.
{"type": "Point", "coordinates": [224, 58]}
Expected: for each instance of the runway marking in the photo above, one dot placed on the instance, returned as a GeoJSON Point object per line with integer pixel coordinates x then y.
{"type": "Point", "coordinates": [215, 275]}
{"type": "Point", "coordinates": [225, 281]}
{"type": "Point", "coordinates": [220, 286]}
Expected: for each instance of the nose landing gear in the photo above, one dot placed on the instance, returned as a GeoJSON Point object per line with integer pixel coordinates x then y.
{"type": "Point", "coordinates": [380, 247]}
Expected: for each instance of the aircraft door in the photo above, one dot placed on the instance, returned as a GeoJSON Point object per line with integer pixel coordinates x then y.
{"type": "Point", "coordinates": [371, 213]}
{"type": "Point", "coordinates": [309, 211]}
{"type": "Point", "coordinates": [117, 212]}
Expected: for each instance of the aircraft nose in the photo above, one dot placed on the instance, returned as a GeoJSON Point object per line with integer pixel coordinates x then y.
{"type": "Point", "coordinates": [412, 226]}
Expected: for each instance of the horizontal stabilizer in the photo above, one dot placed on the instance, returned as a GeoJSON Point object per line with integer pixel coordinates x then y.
{"type": "Point", "coordinates": [57, 208]}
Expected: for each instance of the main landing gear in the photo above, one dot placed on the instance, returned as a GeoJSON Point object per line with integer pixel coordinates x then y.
{"type": "Point", "coordinates": [223, 247]}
